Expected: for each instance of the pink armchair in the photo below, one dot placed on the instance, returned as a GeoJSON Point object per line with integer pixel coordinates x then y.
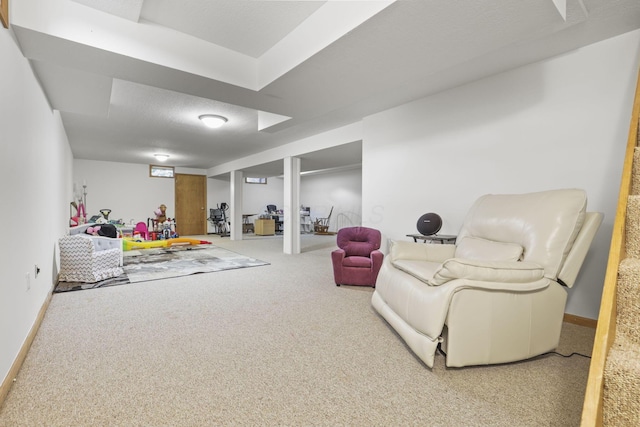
{"type": "Point", "coordinates": [358, 260]}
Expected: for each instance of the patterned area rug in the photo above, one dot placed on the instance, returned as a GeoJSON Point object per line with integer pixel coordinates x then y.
{"type": "Point", "coordinates": [162, 263]}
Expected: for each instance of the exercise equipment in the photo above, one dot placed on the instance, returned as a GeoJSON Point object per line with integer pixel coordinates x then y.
{"type": "Point", "coordinates": [218, 218]}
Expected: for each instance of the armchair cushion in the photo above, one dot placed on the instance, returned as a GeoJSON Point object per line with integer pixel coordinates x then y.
{"type": "Point", "coordinates": [358, 241]}
{"type": "Point", "coordinates": [476, 248]}
{"type": "Point", "coordinates": [437, 274]}
{"type": "Point", "coordinates": [545, 223]}
{"type": "Point", "coordinates": [362, 249]}
{"type": "Point", "coordinates": [421, 270]}
{"type": "Point", "coordinates": [357, 261]}
{"type": "Point", "coordinates": [421, 252]}
{"type": "Point", "coordinates": [105, 243]}
{"type": "Point", "coordinates": [486, 271]}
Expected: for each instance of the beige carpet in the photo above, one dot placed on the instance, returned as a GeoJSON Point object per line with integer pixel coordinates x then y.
{"type": "Point", "coordinates": [621, 394]}
{"type": "Point", "coordinates": [275, 345]}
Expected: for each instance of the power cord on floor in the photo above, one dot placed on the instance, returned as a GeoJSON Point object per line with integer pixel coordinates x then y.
{"type": "Point", "coordinates": [575, 353]}
{"type": "Point", "coordinates": [569, 355]}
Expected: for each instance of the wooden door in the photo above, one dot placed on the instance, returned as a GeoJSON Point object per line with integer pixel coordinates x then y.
{"type": "Point", "coordinates": [191, 203]}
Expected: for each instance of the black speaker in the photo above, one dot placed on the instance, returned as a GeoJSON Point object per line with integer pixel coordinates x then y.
{"type": "Point", "coordinates": [429, 223]}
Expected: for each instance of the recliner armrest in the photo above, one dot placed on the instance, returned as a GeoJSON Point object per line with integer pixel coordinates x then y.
{"type": "Point", "coordinates": [578, 253]}
{"type": "Point", "coordinates": [421, 251]}
{"type": "Point", "coordinates": [487, 271]}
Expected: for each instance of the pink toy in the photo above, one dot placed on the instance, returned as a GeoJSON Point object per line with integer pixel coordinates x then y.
{"type": "Point", "coordinates": [141, 229]}
{"type": "Point", "coordinates": [93, 230]}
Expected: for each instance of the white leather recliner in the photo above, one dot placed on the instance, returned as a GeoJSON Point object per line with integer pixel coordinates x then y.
{"type": "Point", "coordinates": [498, 295]}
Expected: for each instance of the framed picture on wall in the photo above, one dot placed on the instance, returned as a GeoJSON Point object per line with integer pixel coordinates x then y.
{"type": "Point", "coordinates": [4, 13]}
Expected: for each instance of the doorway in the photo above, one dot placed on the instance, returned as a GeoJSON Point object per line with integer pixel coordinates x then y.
{"type": "Point", "coordinates": [191, 203]}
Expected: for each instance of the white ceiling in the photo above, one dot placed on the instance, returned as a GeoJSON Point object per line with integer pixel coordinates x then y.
{"type": "Point", "coordinates": [130, 77]}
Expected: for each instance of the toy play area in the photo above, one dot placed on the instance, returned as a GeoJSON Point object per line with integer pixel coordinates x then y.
{"type": "Point", "coordinates": [158, 231]}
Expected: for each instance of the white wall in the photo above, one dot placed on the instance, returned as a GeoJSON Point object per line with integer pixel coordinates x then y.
{"type": "Point", "coordinates": [131, 194]}
{"type": "Point", "coordinates": [256, 197]}
{"type": "Point", "coordinates": [558, 123]}
{"type": "Point", "coordinates": [35, 170]}
{"type": "Point", "coordinates": [340, 189]}
{"type": "Point", "coordinates": [126, 189]}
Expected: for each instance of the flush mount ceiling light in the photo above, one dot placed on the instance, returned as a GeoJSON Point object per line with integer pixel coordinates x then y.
{"type": "Point", "coordinates": [212, 120]}
{"type": "Point", "coordinates": [161, 157]}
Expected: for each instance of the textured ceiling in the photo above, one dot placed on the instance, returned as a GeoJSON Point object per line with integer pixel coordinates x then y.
{"type": "Point", "coordinates": [130, 77]}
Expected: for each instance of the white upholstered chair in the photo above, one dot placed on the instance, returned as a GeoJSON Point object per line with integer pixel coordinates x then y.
{"type": "Point", "coordinates": [498, 295]}
{"type": "Point", "coordinates": [86, 258]}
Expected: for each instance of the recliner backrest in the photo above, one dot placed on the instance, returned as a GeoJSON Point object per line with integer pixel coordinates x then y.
{"type": "Point", "coordinates": [545, 224]}
{"type": "Point", "coordinates": [358, 241]}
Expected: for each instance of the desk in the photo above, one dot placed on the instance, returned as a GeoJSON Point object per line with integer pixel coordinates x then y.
{"type": "Point", "coordinates": [442, 238]}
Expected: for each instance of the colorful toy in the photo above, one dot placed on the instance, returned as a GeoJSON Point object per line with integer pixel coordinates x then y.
{"type": "Point", "coordinates": [186, 241]}
{"type": "Point", "coordinates": [141, 230]}
{"type": "Point", "coordinates": [93, 230]}
{"type": "Point", "coordinates": [161, 214]}
{"type": "Point", "coordinates": [129, 244]}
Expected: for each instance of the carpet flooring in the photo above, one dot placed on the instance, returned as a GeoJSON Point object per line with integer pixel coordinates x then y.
{"type": "Point", "coordinates": [280, 345]}
{"type": "Point", "coordinates": [162, 263]}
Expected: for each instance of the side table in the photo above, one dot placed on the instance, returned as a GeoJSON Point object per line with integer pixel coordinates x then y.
{"type": "Point", "coordinates": [265, 227]}
{"type": "Point", "coordinates": [440, 238]}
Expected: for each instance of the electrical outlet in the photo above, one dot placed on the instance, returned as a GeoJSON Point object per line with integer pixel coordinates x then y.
{"type": "Point", "coordinates": [28, 280]}
{"type": "Point", "coordinates": [36, 271]}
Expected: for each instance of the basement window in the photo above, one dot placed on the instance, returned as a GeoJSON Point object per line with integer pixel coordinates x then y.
{"type": "Point", "coordinates": [250, 180]}
{"type": "Point", "coordinates": [160, 171]}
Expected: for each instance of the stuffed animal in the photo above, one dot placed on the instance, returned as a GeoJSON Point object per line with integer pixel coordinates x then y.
{"type": "Point", "coordinates": [104, 230]}
{"type": "Point", "coordinates": [161, 215]}
{"type": "Point", "coordinates": [93, 230]}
